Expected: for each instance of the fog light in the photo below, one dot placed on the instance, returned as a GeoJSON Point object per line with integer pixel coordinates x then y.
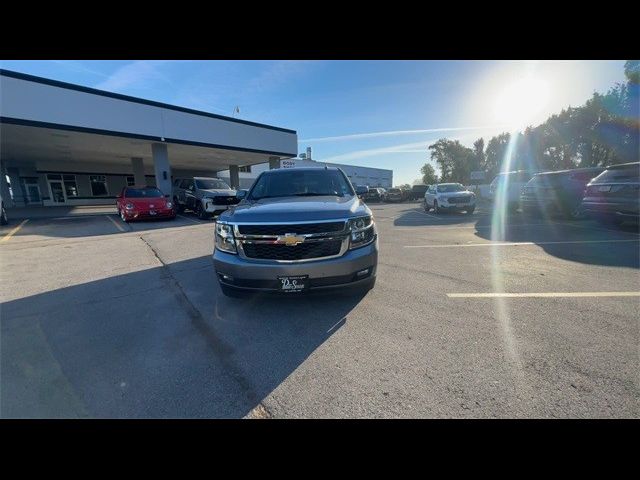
{"type": "Point", "coordinates": [362, 272]}
{"type": "Point", "coordinates": [225, 277]}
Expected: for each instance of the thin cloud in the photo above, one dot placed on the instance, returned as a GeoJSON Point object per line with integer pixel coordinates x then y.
{"type": "Point", "coordinates": [357, 136]}
{"type": "Point", "coordinates": [414, 147]}
{"type": "Point", "coordinates": [79, 67]}
{"type": "Point", "coordinates": [132, 75]}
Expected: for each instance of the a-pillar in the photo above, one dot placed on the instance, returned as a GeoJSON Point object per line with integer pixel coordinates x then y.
{"type": "Point", "coordinates": [161, 167]}
{"type": "Point", "coordinates": [138, 171]}
{"type": "Point", "coordinates": [234, 176]}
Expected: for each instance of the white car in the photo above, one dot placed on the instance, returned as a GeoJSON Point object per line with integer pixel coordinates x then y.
{"type": "Point", "coordinates": [449, 197]}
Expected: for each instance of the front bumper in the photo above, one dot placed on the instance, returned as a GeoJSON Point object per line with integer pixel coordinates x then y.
{"type": "Point", "coordinates": [622, 210]}
{"type": "Point", "coordinates": [336, 272]}
{"type": "Point", "coordinates": [211, 207]}
{"type": "Point", "coordinates": [145, 215]}
{"type": "Point", "coordinates": [456, 206]}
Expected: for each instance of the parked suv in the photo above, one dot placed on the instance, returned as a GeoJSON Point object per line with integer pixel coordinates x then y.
{"type": "Point", "coordinates": [446, 197]}
{"type": "Point", "coordinates": [505, 189]}
{"type": "Point", "coordinates": [395, 195]}
{"type": "Point", "coordinates": [361, 190]}
{"type": "Point", "coordinates": [296, 230]}
{"type": "Point", "coordinates": [614, 195]}
{"type": "Point", "coordinates": [417, 192]}
{"type": "Point", "coordinates": [557, 192]}
{"type": "Point", "coordinates": [206, 196]}
{"type": "Point", "coordinates": [374, 195]}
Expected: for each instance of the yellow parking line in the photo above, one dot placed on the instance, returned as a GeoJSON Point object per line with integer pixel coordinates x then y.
{"type": "Point", "coordinates": [118, 226]}
{"type": "Point", "coordinates": [543, 295]}
{"type": "Point", "coordinates": [13, 232]}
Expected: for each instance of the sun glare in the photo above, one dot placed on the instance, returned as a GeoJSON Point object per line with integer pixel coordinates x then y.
{"type": "Point", "coordinates": [518, 103]}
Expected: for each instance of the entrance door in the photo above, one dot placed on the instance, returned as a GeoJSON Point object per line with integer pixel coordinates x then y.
{"type": "Point", "coordinates": [57, 191]}
{"type": "Point", "coordinates": [32, 190]}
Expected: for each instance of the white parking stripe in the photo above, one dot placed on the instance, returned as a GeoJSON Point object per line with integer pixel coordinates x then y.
{"type": "Point", "coordinates": [191, 220]}
{"type": "Point", "coordinates": [543, 295]}
{"type": "Point", "coordinates": [515, 244]}
{"type": "Point", "coordinates": [118, 226]}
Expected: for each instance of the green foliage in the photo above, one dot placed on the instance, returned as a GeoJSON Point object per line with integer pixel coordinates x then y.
{"type": "Point", "coordinates": [603, 131]}
{"type": "Point", "coordinates": [429, 176]}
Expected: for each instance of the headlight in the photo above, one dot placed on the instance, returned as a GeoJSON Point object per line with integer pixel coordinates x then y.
{"type": "Point", "coordinates": [169, 205]}
{"type": "Point", "coordinates": [129, 206]}
{"type": "Point", "coordinates": [362, 231]}
{"type": "Point", "coordinates": [224, 238]}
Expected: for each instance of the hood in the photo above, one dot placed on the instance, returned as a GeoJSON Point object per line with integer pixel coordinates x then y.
{"type": "Point", "coordinates": [465, 193]}
{"type": "Point", "coordinates": [296, 209]}
{"type": "Point", "coordinates": [212, 192]}
{"type": "Point", "coordinates": [157, 202]}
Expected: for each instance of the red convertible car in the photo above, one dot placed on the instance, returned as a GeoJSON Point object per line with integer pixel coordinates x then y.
{"type": "Point", "coordinates": [135, 203]}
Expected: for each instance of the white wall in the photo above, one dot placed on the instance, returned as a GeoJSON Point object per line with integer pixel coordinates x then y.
{"type": "Point", "coordinates": [28, 100]}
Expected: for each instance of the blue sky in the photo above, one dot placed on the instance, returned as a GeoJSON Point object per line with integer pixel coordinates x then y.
{"type": "Point", "coordinates": [376, 113]}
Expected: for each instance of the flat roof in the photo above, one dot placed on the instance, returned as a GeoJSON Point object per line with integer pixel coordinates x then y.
{"type": "Point", "coordinates": [128, 98]}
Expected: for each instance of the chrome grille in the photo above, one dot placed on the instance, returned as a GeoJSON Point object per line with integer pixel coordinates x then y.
{"type": "Point", "coordinates": [299, 229]}
{"type": "Point", "coordinates": [302, 251]}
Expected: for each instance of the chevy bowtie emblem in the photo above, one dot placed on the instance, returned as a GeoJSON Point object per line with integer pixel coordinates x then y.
{"type": "Point", "coordinates": [289, 239]}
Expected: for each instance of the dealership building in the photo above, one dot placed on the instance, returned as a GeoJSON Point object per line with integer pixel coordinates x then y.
{"type": "Point", "coordinates": [371, 177]}
{"type": "Point", "coordinates": [64, 144]}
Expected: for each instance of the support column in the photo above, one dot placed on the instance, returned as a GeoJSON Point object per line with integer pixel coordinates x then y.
{"type": "Point", "coordinates": [161, 167]}
{"type": "Point", "coordinates": [138, 171]}
{"type": "Point", "coordinates": [234, 176]}
{"type": "Point", "coordinates": [274, 162]}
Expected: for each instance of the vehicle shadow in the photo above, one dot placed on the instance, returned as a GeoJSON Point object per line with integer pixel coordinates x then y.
{"type": "Point", "coordinates": [578, 241]}
{"type": "Point", "coordinates": [157, 343]}
{"type": "Point", "coordinates": [94, 225]}
{"type": "Point", "coordinates": [414, 215]}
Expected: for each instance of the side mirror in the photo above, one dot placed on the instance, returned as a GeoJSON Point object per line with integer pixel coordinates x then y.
{"type": "Point", "coordinates": [241, 194]}
{"type": "Point", "coordinates": [119, 195]}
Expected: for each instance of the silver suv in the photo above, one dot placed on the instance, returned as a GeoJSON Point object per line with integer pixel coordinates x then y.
{"type": "Point", "coordinates": [206, 196]}
{"type": "Point", "coordinates": [296, 230]}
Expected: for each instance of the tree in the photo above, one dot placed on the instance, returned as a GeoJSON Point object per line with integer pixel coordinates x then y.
{"type": "Point", "coordinates": [454, 160]}
{"type": "Point", "coordinates": [478, 155]}
{"type": "Point", "coordinates": [404, 186]}
{"type": "Point", "coordinates": [495, 153]}
{"type": "Point", "coordinates": [429, 176]}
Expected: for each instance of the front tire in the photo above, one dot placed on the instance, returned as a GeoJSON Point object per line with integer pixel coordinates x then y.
{"type": "Point", "coordinates": [436, 210]}
{"type": "Point", "coordinates": [471, 210]}
{"type": "Point", "coordinates": [179, 208]}
{"type": "Point", "coordinates": [201, 213]}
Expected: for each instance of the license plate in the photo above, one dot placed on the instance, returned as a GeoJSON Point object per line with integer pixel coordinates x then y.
{"type": "Point", "coordinates": [297, 283]}
{"type": "Point", "coordinates": [152, 212]}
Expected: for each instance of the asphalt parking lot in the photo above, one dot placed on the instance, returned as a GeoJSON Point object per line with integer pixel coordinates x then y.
{"type": "Point", "coordinates": [106, 319]}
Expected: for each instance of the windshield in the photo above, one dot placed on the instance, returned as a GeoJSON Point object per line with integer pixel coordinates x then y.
{"type": "Point", "coordinates": [626, 174]}
{"type": "Point", "coordinates": [296, 183]}
{"type": "Point", "coordinates": [211, 184]}
{"type": "Point", "coordinates": [451, 187]}
{"type": "Point", "coordinates": [149, 192]}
